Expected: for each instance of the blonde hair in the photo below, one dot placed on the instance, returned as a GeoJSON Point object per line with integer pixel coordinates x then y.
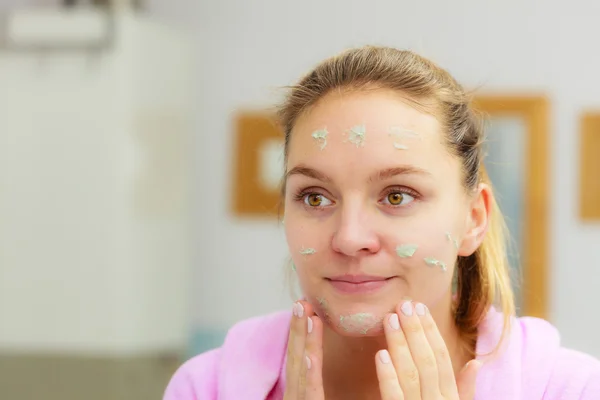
{"type": "Point", "coordinates": [482, 279]}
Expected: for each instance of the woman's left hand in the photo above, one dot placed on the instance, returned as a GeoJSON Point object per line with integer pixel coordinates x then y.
{"type": "Point", "coordinates": [418, 365]}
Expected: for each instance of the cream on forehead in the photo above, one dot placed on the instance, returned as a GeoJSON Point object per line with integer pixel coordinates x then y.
{"type": "Point", "coordinates": [402, 133]}
{"type": "Point", "coordinates": [320, 136]}
{"type": "Point", "coordinates": [356, 135]}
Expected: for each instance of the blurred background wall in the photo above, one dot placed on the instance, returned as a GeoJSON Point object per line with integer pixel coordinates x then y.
{"type": "Point", "coordinates": [202, 62]}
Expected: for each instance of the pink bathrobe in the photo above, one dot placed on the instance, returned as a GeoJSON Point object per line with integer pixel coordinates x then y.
{"type": "Point", "coordinates": [251, 364]}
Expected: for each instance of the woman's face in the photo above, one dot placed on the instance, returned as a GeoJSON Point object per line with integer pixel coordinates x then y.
{"type": "Point", "coordinates": [375, 209]}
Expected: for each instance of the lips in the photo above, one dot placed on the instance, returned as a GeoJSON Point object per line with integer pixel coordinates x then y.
{"type": "Point", "coordinates": [358, 278]}
{"type": "Point", "coordinates": [358, 283]}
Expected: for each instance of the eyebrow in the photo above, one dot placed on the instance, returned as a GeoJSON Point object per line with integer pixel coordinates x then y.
{"type": "Point", "coordinates": [378, 176]}
{"type": "Point", "coordinates": [309, 172]}
{"type": "Point", "coordinates": [401, 170]}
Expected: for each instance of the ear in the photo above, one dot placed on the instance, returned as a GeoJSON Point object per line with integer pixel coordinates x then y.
{"type": "Point", "coordinates": [478, 218]}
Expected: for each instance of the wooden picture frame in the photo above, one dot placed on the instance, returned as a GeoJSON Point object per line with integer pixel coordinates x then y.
{"type": "Point", "coordinates": [251, 196]}
{"type": "Point", "coordinates": [534, 112]}
{"type": "Point", "coordinates": [589, 167]}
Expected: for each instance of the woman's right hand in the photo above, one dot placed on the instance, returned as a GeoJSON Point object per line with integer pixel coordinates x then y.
{"type": "Point", "coordinates": [304, 373]}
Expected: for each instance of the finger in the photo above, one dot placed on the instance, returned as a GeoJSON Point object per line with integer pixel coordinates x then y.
{"type": "Point", "coordinates": [420, 350]}
{"type": "Point", "coordinates": [405, 368]}
{"type": "Point", "coordinates": [304, 362]}
{"type": "Point", "coordinates": [389, 386]}
{"type": "Point", "coordinates": [295, 350]}
{"type": "Point", "coordinates": [466, 380]}
{"type": "Point", "coordinates": [314, 359]}
{"type": "Point", "coordinates": [447, 380]}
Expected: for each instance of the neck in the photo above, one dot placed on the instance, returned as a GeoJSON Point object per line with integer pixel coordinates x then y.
{"type": "Point", "coordinates": [349, 362]}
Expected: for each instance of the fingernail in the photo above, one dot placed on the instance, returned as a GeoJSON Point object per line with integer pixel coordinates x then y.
{"type": "Point", "coordinates": [299, 310]}
{"type": "Point", "coordinates": [407, 308]}
{"type": "Point", "coordinates": [295, 310]}
{"type": "Point", "coordinates": [472, 364]}
{"type": "Point", "coordinates": [310, 323]}
{"type": "Point", "coordinates": [477, 364]}
{"type": "Point", "coordinates": [384, 356]}
{"type": "Point", "coordinates": [420, 309]}
{"type": "Point", "coordinates": [308, 362]}
{"type": "Point", "coordinates": [394, 322]}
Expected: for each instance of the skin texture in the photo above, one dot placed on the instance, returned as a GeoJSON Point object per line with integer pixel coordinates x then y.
{"type": "Point", "coordinates": [355, 204]}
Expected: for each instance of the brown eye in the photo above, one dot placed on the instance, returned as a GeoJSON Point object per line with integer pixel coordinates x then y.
{"type": "Point", "coordinates": [395, 198]}
{"type": "Point", "coordinates": [316, 200]}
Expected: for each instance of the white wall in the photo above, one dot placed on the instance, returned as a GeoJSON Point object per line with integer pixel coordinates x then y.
{"type": "Point", "coordinates": [248, 48]}
{"type": "Point", "coordinates": [94, 210]}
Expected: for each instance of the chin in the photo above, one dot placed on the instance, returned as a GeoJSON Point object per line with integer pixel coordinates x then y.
{"type": "Point", "coordinates": [358, 325]}
{"type": "Point", "coordinates": [356, 319]}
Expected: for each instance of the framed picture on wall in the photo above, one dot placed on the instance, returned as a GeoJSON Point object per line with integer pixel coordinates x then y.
{"type": "Point", "coordinates": [258, 165]}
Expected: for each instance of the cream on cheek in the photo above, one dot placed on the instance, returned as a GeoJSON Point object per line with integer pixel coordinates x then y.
{"type": "Point", "coordinates": [428, 270]}
{"type": "Point", "coordinates": [437, 251]}
{"type": "Point", "coordinates": [431, 245]}
{"type": "Point", "coordinates": [305, 245]}
{"type": "Point", "coordinates": [452, 239]}
{"type": "Point", "coordinates": [307, 251]}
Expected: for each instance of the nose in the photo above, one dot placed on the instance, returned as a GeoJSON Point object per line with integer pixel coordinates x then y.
{"type": "Point", "coordinates": [355, 234]}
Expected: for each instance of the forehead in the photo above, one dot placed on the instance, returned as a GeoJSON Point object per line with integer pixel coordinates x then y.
{"type": "Point", "coordinates": [393, 131]}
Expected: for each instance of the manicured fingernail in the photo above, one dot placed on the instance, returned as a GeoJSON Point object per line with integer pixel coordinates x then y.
{"type": "Point", "coordinates": [394, 322]}
{"type": "Point", "coordinates": [384, 356]}
{"type": "Point", "coordinates": [476, 364]}
{"type": "Point", "coordinates": [407, 308]}
{"type": "Point", "coordinates": [472, 364]}
{"type": "Point", "coordinates": [299, 310]}
{"type": "Point", "coordinates": [420, 309]}
{"type": "Point", "coordinates": [308, 362]}
{"type": "Point", "coordinates": [310, 323]}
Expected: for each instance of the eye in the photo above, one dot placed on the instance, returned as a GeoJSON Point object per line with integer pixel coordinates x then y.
{"type": "Point", "coordinates": [398, 198]}
{"type": "Point", "coordinates": [316, 200]}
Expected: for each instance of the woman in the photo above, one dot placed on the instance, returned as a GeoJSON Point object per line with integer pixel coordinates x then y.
{"type": "Point", "coordinates": [398, 246]}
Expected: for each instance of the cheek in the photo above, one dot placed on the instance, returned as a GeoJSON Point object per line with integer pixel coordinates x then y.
{"type": "Point", "coordinates": [428, 269]}
{"type": "Point", "coordinates": [426, 245]}
{"type": "Point", "coordinates": [301, 236]}
{"type": "Point", "coordinates": [307, 244]}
